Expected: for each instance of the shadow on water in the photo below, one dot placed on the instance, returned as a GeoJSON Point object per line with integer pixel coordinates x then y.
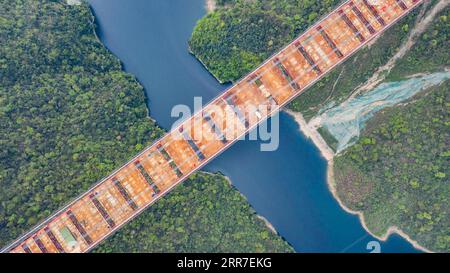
{"type": "Point", "coordinates": [287, 186]}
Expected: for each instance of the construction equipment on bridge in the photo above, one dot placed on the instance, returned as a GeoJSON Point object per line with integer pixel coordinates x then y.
{"type": "Point", "coordinates": [54, 240]}
{"type": "Point", "coordinates": [102, 211]}
{"type": "Point", "coordinates": [79, 227]}
{"type": "Point", "coordinates": [286, 74]}
{"type": "Point", "coordinates": [170, 160]}
{"type": "Point", "coordinates": [124, 194]}
{"type": "Point", "coordinates": [147, 177]}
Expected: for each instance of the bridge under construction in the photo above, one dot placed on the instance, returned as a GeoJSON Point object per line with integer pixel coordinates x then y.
{"type": "Point", "coordinates": [121, 196]}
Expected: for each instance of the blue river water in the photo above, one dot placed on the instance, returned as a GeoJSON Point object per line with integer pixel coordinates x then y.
{"type": "Point", "coordinates": [288, 186]}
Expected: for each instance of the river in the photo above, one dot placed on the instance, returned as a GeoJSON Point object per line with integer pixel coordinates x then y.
{"type": "Point", "coordinates": [288, 186]}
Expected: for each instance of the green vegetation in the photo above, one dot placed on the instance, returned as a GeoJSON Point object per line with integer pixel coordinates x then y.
{"type": "Point", "coordinates": [237, 37]}
{"type": "Point", "coordinates": [69, 115]}
{"type": "Point", "coordinates": [204, 214]}
{"type": "Point", "coordinates": [375, 173]}
{"type": "Point", "coordinates": [338, 85]}
{"type": "Point", "coordinates": [429, 53]}
{"type": "Point", "coordinates": [328, 137]}
{"type": "Point", "coordinates": [397, 173]}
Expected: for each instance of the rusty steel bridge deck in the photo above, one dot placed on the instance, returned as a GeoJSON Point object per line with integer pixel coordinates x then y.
{"type": "Point", "coordinates": [121, 196]}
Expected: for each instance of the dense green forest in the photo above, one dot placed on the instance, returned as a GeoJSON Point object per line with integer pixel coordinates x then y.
{"type": "Point", "coordinates": [239, 35]}
{"type": "Point", "coordinates": [69, 115]}
{"type": "Point", "coordinates": [397, 173]}
{"type": "Point", "coordinates": [424, 139]}
{"type": "Point", "coordinates": [204, 214]}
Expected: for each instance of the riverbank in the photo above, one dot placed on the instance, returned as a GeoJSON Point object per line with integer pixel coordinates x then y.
{"type": "Point", "coordinates": [206, 67]}
{"type": "Point", "coordinates": [266, 222]}
{"type": "Point", "coordinates": [328, 154]}
{"type": "Point", "coordinates": [312, 134]}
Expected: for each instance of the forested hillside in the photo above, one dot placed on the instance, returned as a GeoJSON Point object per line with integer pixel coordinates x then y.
{"type": "Point", "coordinates": [421, 128]}
{"type": "Point", "coordinates": [69, 115]}
{"type": "Point", "coordinates": [397, 174]}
